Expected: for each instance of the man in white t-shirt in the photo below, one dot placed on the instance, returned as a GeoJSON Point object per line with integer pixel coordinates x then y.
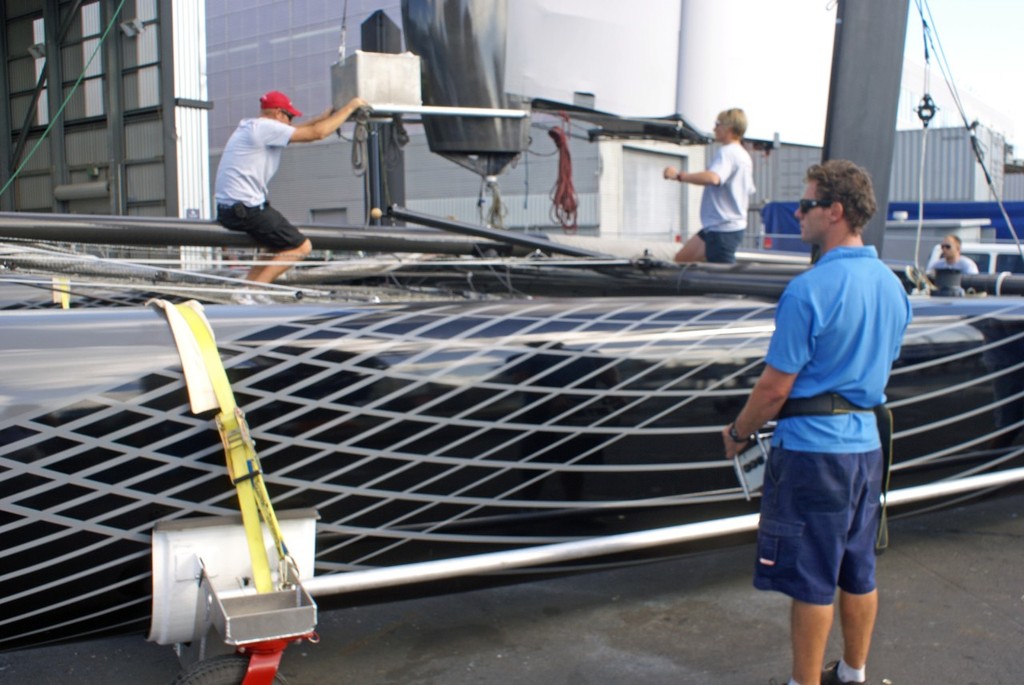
{"type": "Point", "coordinates": [250, 160]}
{"type": "Point", "coordinates": [728, 184]}
{"type": "Point", "coordinates": [950, 257]}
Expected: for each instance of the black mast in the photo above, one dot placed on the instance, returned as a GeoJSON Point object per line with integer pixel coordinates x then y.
{"type": "Point", "coordinates": [867, 65]}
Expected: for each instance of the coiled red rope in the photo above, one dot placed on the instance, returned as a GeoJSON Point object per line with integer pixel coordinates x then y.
{"type": "Point", "coordinates": [564, 201]}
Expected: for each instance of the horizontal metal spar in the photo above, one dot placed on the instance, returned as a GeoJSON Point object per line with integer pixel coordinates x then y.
{"type": "Point", "coordinates": [432, 110]}
{"type": "Point", "coordinates": [496, 234]}
{"type": "Point", "coordinates": [587, 280]}
{"type": "Point", "coordinates": [356, 581]}
{"type": "Point", "coordinates": [156, 231]}
{"type": "Point", "coordinates": [1004, 283]}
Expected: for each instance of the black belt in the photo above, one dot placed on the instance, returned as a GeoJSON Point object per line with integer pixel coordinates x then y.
{"type": "Point", "coordinates": [820, 405]}
{"type": "Point", "coordinates": [833, 403]}
{"type": "Point", "coordinates": [231, 207]}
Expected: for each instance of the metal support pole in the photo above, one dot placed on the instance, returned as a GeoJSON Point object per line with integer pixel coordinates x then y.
{"type": "Point", "coordinates": [6, 149]}
{"type": "Point", "coordinates": [113, 65]}
{"type": "Point", "coordinates": [167, 105]}
{"type": "Point", "coordinates": [500, 235]}
{"type": "Point", "coordinates": [374, 172]}
{"type": "Point", "coordinates": [864, 94]}
{"type": "Point", "coordinates": [55, 94]}
{"type": "Point", "coordinates": [492, 562]}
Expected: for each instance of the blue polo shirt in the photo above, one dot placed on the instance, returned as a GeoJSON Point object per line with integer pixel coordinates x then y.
{"type": "Point", "coordinates": [839, 327]}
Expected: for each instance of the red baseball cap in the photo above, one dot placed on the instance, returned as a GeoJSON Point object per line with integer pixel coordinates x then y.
{"type": "Point", "coordinates": [275, 99]}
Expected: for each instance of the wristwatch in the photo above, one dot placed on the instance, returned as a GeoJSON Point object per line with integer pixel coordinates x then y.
{"type": "Point", "coordinates": [736, 437]}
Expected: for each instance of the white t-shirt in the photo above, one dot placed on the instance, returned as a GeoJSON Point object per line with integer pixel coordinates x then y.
{"type": "Point", "coordinates": [724, 207]}
{"type": "Point", "coordinates": [250, 160]}
{"type": "Point", "coordinates": [963, 264]}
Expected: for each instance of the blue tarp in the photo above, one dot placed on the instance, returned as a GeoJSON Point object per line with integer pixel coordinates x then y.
{"type": "Point", "coordinates": [779, 220]}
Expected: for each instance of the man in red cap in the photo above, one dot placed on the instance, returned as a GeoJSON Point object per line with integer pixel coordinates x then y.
{"type": "Point", "coordinates": [250, 160]}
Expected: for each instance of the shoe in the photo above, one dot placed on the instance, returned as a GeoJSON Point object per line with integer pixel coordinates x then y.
{"type": "Point", "coordinates": [830, 676]}
{"type": "Point", "coordinates": [242, 298]}
{"type": "Point", "coordinates": [251, 299]}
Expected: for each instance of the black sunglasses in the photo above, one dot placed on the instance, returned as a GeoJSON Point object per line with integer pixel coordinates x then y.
{"type": "Point", "coordinates": [946, 246]}
{"type": "Point", "coordinates": [808, 205]}
{"type": "Point", "coordinates": [288, 114]}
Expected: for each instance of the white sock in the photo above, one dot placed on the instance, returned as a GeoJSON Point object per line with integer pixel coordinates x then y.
{"type": "Point", "coordinates": [792, 682]}
{"type": "Point", "coordinates": [849, 674]}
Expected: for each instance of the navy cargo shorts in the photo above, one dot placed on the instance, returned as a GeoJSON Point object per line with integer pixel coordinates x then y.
{"type": "Point", "coordinates": [819, 521]}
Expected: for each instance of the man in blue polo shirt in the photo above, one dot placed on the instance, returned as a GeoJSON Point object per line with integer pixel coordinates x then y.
{"type": "Point", "coordinates": [838, 329]}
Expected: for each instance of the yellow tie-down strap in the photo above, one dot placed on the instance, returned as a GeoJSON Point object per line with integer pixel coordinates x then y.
{"type": "Point", "coordinates": [61, 292]}
{"type": "Point", "coordinates": [209, 388]}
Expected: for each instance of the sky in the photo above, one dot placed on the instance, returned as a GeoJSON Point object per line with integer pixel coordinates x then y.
{"type": "Point", "coordinates": [983, 43]}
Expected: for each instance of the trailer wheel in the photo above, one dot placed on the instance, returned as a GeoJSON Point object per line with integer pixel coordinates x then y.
{"type": "Point", "coordinates": [229, 669]}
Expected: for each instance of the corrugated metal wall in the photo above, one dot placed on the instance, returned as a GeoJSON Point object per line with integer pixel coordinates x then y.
{"type": "Point", "coordinates": [951, 172]}
{"type": "Point", "coordinates": [145, 184]}
{"type": "Point", "coordinates": [111, 129]}
{"type": "Point", "coordinates": [34, 185]}
{"type": "Point", "coordinates": [145, 175]}
{"type": "Point", "coordinates": [779, 175]}
{"type": "Point", "coordinates": [34, 193]}
{"type": "Point", "coordinates": [318, 179]}
{"type": "Point", "coordinates": [142, 139]}
{"type": "Point", "coordinates": [23, 27]}
{"type": "Point", "coordinates": [1013, 187]}
{"type": "Point", "coordinates": [144, 166]}
{"type": "Point", "coordinates": [85, 146]}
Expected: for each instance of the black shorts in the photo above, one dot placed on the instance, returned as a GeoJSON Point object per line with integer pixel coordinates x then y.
{"type": "Point", "coordinates": [266, 225]}
{"type": "Point", "coordinates": [720, 246]}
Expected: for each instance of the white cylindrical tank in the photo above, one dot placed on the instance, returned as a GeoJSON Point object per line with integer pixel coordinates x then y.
{"type": "Point", "coordinates": [771, 59]}
{"type": "Point", "coordinates": [622, 54]}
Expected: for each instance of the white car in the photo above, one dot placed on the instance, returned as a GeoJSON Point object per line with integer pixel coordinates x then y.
{"type": "Point", "coordinates": [991, 258]}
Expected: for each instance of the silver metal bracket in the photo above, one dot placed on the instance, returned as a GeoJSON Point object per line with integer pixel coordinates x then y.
{"type": "Point", "coordinates": [202, 577]}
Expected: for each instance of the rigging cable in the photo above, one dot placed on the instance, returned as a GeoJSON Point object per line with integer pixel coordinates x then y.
{"type": "Point", "coordinates": [932, 37]}
{"type": "Point", "coordinates": [344, 32]}
{"type": "Point", "coordinates": [116, 267]}
{"type": "Point", "coordinates": [925, 112]}
{"type": "Point", "coordinates": [564, 201]}
{"type": "Point", "coordinates": [359, 144]}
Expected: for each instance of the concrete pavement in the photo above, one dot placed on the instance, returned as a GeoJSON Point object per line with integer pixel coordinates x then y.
{"type": "Point", "coordinates": [952, 593]}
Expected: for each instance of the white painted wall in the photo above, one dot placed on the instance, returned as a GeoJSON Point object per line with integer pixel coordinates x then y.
{"type": "Point", "coordinates": [636, 201]}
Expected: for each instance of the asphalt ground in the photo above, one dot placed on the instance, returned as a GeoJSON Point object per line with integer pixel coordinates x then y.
{"type": "Point", "coordinates": [952, 611]}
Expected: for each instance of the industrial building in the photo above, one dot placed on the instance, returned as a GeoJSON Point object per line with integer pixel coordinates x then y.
{"type": "Point", "coordinates": [151, 89]}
